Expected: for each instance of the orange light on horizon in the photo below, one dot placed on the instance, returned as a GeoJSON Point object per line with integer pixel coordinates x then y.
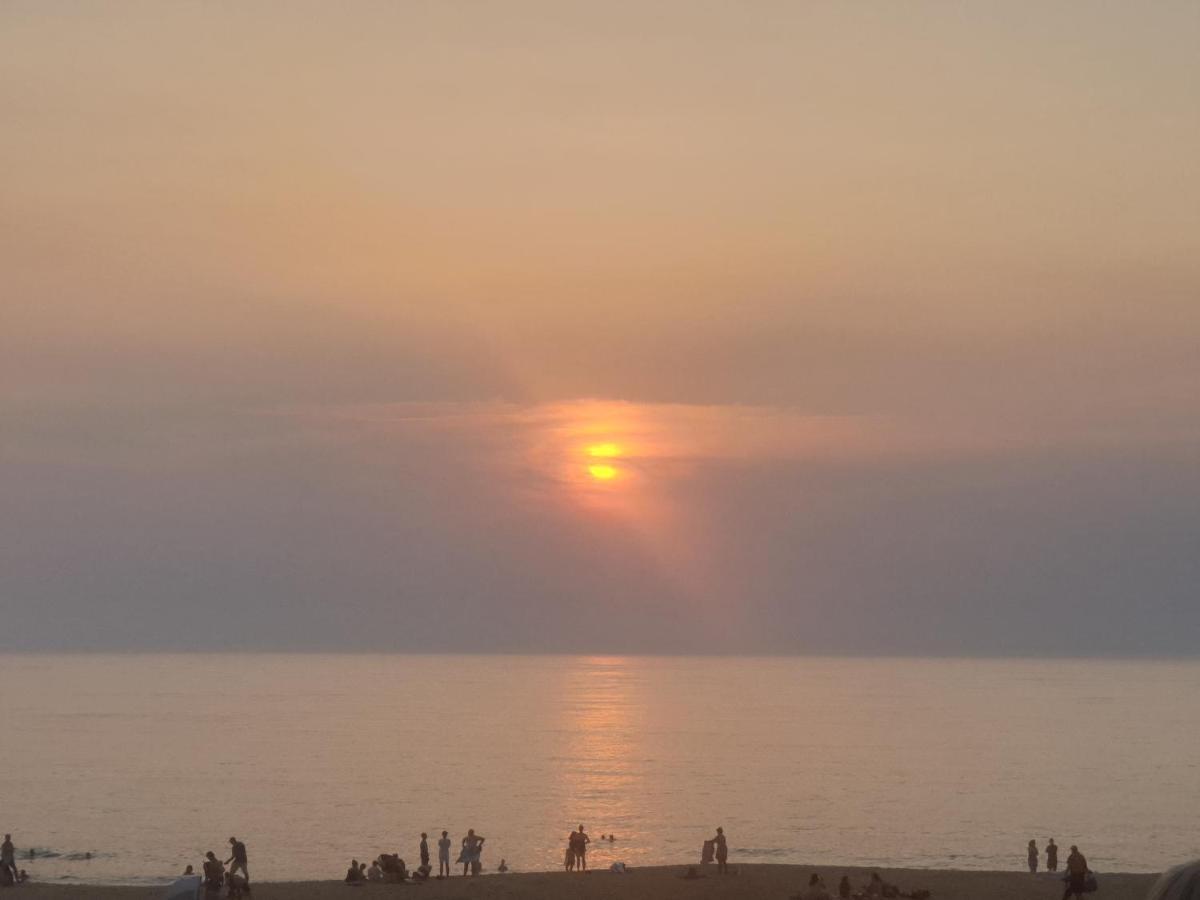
{"type": "Point", "coordinates": [604, 451]}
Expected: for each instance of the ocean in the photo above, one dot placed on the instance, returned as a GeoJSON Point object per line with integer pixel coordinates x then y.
{"type": "Point", "coordinates": [147, 761]}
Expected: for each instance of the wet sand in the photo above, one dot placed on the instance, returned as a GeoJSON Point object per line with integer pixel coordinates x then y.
{"type": "Point", "coordinates": [756, 882]}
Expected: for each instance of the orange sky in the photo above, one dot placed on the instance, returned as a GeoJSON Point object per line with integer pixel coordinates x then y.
{"type": "Point", "coordinates": [756, 240]}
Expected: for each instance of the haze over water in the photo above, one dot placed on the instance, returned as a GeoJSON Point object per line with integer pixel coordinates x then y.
{"type": "Point", "coordinates": [149, 760]}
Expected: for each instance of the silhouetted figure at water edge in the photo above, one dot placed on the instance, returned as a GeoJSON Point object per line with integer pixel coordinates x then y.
{"type": "Point", "coordinates": [844, 889]}
{"type": "Point", "coordinates": [579, 841]}
{"type": "Point", "coordinates": [472, 852]}
{"type": "Point", "coordinates": [444, 855]}
{"type": "Point", "coordinates": [424, 849]}
{"type": "Point", "coordinates": [238, 859]}
{"type": "Point", "coordinates": [1033, 856]}
{"type": "Point", "coordinates": [722, 851]}
{"type": "Point", "coordinates": [8, 856]}
{"type": "Point", "coordinates": [1077, 872]}
{"type": "Point", "coordinates": [1051, 856]}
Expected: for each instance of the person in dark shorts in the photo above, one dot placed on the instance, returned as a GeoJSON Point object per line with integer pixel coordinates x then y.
{"type": "Point", "coordinates": [1077, 871]}
{"type": "Point", "coordinates": [424, 849]}
{"type": "Point", "coordinates": [581, 841]}
{"type": "Point", "coordinates": [722, 849]}
{"type": "Point", "coordinates": [1051, 856]}
{"type": "Point", "coordinates": [238, 859]}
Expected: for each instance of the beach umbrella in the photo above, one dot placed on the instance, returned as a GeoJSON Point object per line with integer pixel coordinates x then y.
{"type": "Point", "coordinates": [185, 888]}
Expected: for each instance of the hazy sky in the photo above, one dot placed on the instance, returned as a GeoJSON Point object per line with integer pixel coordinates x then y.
{"type": "Point", "coordinates": [321, 322]}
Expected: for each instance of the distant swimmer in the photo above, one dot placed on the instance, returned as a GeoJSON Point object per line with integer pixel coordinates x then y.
{"type": "Point", "coordinates": [444, 855]}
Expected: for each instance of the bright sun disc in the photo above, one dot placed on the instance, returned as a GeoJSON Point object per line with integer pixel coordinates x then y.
{"type": "Point", "coordinates": [604, 450]}
{"type": "Point", "coordinates": [602, 472]}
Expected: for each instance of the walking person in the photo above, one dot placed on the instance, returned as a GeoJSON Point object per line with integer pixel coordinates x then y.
{"type": "Point", "coordinates": [424, 849]}
{"type": "Point", "coordinates": [1033, 857]}
{"type": "Point", "coordinates": [1077, 871]}
{"type": "Point", "coordinates": [444, 855]}
{"type": "Point", "coordinates": [1051, 856]}
{"type": "Point", "coordinates": [722, 852]}
{"type": "Point", "coordinates": [238, 849]}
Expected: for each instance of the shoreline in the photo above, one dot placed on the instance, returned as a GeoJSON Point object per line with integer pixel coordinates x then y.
{"type": "Point", "coordinates": [652, 883]}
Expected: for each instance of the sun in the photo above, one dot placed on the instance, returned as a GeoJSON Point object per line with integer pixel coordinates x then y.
{"type": "Point", "coordinates": [604, 451]}
{"type": "Point", "coordinates": [602, 472]}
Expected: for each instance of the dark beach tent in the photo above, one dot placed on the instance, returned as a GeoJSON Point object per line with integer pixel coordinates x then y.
{"type": "Point", "coordinates": [186, 888]}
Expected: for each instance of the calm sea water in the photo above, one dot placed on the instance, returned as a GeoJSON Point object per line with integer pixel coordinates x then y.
{"type": "Point", "coordinates": [148, 761]}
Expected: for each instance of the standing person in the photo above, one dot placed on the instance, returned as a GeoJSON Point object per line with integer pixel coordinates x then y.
{"type": "Point", "coordinates": [8, 856]}
{"type": "Point", "coordinates": [444, 854]}
{"type": "Point", "coordinates": [581, 842]}
{"type": "Point", "coordinates": [238, 849]}
{"type": "Point", "coordinates": [571, 854]}
{"type": "Point", "coordinates": [1033, 856]}
{"type": "Point", "coordinates": [1077, 870]}
{"type": "Point", "coordinates": [424, 849]}
{"type": "Point", "coordinates": [722, 851]}
{"type": "Point", "coordinates": [1051, 856]}
{"type": "Point", "coordinates": [472, 852]}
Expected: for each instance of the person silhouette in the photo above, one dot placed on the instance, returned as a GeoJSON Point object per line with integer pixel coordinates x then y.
{"type": "Point", "coordinates": [722, 849]}
{"type": "Point", "coordinates": [1033, 856]}
{"type": "Point", "coordinates": [444, 854]}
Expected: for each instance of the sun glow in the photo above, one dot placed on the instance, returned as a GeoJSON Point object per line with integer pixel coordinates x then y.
{"type": "Point", "coordinates": [602, 472]}
{"type": "Point", "coordinates": [604, 451]}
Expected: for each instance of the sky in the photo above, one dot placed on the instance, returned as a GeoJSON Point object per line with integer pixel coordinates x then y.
{"type": "Point", "coordinates": [601, 327]}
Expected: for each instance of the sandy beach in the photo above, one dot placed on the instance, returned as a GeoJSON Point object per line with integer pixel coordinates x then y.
{"type": "Point", "coordinates": [652, 883]}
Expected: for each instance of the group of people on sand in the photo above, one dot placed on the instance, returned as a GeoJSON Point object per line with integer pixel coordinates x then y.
{"type": "Point", "coordinates": [1051, 855]}
{"type": "Point", "coordinates": [1079, 877]}
{"type": "Point", "coordinates": [575, 856]}
{"type": "Point", "coordinates": [876, 887]}
{"type": "Point", "coordinates": [391, 867]}
{"type": "Point", "coordinates": [235, 879]}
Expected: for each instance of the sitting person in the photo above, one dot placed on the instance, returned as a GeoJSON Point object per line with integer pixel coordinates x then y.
{"type": "Point", "coordinates": [374, 873]}
{"type": "Point", "coordinates": [816, 889]}
{"type": "Point", "coordinates": [22, 877]}
{"type": "Point", "coordinates": [422, 872]}
{"type": "Point", "coordinates": [214, 873]}
{"type": "Point", "coordinates": [503, 867]}
{"type": "Point", "coordinates": [354, 875]}
{"type": "Point", "coordinates": [844, 890]}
